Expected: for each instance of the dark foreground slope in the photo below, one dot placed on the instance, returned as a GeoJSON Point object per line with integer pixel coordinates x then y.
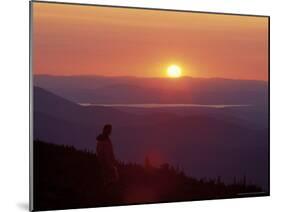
{"type": "Point", "coordinates": [67, 178]}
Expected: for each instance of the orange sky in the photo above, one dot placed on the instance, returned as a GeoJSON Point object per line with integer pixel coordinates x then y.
{"type": "Point", "coordinates": [90, 40]}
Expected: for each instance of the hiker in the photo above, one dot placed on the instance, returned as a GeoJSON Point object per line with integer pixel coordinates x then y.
{"type": "Point", "coordinates": [105, 155]}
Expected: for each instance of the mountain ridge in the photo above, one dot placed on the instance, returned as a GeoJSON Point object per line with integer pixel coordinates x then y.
{"type": "Point", "coordinates": [116, 90]}
{"type": "Point", "coordinates": [140, 77]}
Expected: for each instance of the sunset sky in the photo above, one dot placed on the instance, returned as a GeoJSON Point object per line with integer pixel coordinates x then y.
{"type": "Point", "coordinates": [91, 40]}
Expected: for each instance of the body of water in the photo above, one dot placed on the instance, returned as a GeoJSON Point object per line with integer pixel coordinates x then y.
{"type": "Point", "coordinates": [161, 105]}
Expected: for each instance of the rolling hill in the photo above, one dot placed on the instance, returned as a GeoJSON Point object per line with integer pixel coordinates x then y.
{"type": "Point", "coordinates": [203, 144]}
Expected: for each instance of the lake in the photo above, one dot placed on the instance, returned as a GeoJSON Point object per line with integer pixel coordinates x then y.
{"type": "Point", "coordinates": [153, 105]}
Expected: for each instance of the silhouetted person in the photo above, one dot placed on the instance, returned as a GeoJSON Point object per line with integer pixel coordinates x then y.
{"type": "Point", "coordinates": [106, 156]}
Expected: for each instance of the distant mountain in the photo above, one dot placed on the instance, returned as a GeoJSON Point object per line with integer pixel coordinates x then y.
{"type": "Point", "coordinates": [98, 89]}
{"type": "Point", "coordinates": [49, 103]}
{"type": "Point", "coordinates": [53, 105]}
{"type": "Point", "coordinates": [205, 144]}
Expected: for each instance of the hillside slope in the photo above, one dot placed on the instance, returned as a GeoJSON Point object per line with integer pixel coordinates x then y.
{"type": "Point", "coordinates": [67, 178]}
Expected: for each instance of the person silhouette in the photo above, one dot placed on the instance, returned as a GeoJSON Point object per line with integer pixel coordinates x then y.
{"type": "Point", "coordinates": [106, 157]}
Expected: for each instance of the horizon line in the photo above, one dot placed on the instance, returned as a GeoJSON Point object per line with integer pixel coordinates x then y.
{"type": "Point", "coordinates": [144, 77]}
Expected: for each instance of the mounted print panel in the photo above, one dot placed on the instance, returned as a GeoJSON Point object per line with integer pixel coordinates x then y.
{"type": "Point", "coordinates": [137, 106]}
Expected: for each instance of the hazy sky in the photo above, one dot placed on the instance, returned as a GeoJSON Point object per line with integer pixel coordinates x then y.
{"type": "Point", "coordinates": [89, 40]}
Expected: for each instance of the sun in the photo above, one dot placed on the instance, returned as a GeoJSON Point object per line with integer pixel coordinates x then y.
{"type": "Point", "coordinates": [174, 71]}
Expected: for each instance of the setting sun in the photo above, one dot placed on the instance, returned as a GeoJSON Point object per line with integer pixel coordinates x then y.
{"type": "Point", "coordinates": [174, 71]}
